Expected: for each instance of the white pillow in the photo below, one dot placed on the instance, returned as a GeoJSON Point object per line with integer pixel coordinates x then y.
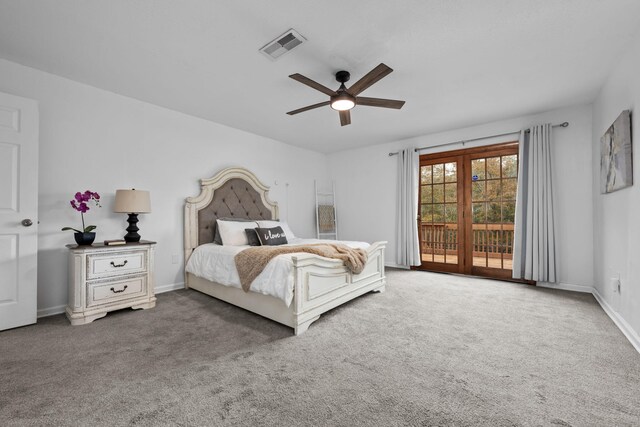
{"type": "Point", "coordinates": [232, 232]}
{"type": "Point", "coordinates": [285, 227]}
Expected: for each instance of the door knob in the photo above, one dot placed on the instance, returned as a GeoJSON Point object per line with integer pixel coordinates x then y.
{"type": "Point", "coordinates": [27, 222]}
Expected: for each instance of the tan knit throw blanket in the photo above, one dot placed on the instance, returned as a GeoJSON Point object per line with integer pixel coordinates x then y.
{"type": "Point", "coordinates": [250, 262]}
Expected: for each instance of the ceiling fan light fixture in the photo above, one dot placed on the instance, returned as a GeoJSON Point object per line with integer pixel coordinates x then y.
{"type": "Point", "coordinates": [343, 102]}
{"type": "Point", "coordinates": [343, 99]}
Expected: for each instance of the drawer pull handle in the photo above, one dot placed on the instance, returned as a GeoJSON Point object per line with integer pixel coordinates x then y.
{"type": "Point", "coordinates": [121, 290]}
{"type": "Point", "coordinates": [119, 265]}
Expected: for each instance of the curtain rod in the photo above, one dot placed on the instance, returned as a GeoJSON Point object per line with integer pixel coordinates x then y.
{"type": "Point", "coordinates": [464, 141]}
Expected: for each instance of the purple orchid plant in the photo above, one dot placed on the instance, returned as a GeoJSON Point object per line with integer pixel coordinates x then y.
{"type": "Point", "coordinates": [81, 203]}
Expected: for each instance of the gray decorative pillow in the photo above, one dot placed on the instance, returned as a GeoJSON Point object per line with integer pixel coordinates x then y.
{"type": "Point", "coordinates": [216, 233]}
{"type": "Point", "coordinates": [271, 236]}
{"type": "Point", "coordinates": [252, 237]}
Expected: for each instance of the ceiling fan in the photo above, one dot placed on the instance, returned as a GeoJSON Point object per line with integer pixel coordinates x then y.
{"type": "Point", "coordinates": [344, 99]}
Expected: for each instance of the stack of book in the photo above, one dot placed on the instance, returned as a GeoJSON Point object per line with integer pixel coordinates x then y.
{"type": "Point", "coordinates": [115, 242]}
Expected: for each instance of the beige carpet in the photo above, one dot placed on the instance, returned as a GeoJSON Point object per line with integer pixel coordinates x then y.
{"type": "Point", "coordinates": [433, 350]}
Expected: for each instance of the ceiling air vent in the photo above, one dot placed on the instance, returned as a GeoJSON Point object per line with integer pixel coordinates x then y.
{"type": "Point", "coordinates": [282, 44]}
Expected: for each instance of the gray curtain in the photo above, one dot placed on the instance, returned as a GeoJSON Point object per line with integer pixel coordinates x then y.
{"type": "Point", "coordinates": [534, 249]}
{"type": "Point", "coordinates": [408, 248]}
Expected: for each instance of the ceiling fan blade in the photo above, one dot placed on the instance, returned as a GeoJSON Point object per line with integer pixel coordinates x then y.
{"type": "Point", "coordinates": [379, 102]}
{"type": "Point", "coordinates": [370, 78]}
{"type": "Point", "coordinates": [345, 118]}
{"type": "Point", "coordinates": [317, 86]}
{"type": "Point", "coordinates": [308, 107]}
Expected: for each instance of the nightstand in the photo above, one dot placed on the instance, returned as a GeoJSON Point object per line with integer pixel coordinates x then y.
{"type": "Point", "coordinates": [106, 278]}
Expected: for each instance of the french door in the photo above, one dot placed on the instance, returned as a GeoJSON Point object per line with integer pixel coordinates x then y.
{"type": "Point", "coordinates": [467, 209]}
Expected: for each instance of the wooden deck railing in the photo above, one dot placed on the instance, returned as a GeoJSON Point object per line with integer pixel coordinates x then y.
{"type": "Point", "coordinates": [488, 239]}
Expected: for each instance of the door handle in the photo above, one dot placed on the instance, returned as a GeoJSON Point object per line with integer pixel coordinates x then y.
{"type": "Point", "coordinates": [27, 222]}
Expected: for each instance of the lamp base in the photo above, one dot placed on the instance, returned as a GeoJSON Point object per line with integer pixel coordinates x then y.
{"type": "Point", "coordinates": [132, 236]}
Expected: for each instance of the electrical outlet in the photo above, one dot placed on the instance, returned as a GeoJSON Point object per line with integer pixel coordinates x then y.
{"type": "Point", "coordinates": [174, 259]}
{"type": "Point", "coordinates": [614, 282]}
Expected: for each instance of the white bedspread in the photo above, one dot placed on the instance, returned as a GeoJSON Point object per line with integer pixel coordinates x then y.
{"type": "Point", "coordinates": [216, 263]}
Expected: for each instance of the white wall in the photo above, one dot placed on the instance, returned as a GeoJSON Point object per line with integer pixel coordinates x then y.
{"type": "Point", "coordinates": [616, 215]}
{"type": "Point", "coordinates": [366, 186]}
{"type": "Point", "coordinates": [97, 140]}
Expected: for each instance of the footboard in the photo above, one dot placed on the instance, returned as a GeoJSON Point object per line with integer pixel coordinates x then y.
{"type": "Point", "coordinates": [322, 284]}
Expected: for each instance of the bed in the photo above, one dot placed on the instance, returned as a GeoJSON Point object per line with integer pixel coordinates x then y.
{"type": "Point", "coordinates": [319, 284]}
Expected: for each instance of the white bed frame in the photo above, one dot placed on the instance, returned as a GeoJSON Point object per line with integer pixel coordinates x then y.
{"type": "Point", "coordinates": [320, 283]}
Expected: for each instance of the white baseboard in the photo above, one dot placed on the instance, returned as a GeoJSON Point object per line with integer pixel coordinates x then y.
{"type": "Point", "coordinates": [567, 287]}
{"type": "Point", "coordinates": [50, 311]}
{"type": "Point", "coordinates": [169, 287]}
{"type": "Point", "coordinates": [403, 267]}
{"type": "Point", "coordinates": [622, 324]}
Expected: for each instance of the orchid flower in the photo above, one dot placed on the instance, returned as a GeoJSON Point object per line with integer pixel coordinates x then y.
{"type": "Point", "coordinates": [80, 203]}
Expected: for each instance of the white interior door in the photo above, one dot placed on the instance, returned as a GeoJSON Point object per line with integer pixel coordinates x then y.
{"type": "Point", "coordinates": [18, 211]}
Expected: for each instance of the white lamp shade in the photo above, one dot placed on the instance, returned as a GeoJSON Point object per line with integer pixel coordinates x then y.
{"type": "Point", "coordinates": [132, 201]}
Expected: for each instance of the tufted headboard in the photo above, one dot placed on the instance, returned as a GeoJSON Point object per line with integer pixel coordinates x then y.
{"type": "Point", "coordinates": [232, 193]}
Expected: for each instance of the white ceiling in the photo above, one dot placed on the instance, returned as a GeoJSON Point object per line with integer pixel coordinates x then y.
{"type": "Point", "coordinates": [457, 63]}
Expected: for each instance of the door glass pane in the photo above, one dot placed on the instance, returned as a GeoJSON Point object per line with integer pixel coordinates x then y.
{"type": "Point", "coordinates": [494, 258]}
{"type": "Point", "coordinates": [509, 187]}
{"type": "Point", "coordinates": [507, 255]}
{"type": "Point", "coordinates": [438, 243]}
{"type": "Point", "coordinates": [438, 213]}
{"type": "Point", "coordinates": [450, 172]}
{"type": "Point", "coordinates": [479, 245]}
{"type": "Point", "coordinates": [427, 255]}
{"type": "Point", "coordinates": [493, 167]}
{"type": "Point", "coordinates": [479, 213]}
{"type": "Point", "coordinates": [452, 233]}
{"type": "Point", "coordinates": [427, 232]}
{"type": "Point", "coordinates": [494, 214]}
{"type": "Point", "coordinates": [449, 247]}
{"type": "Point", "coordinates": [452, 254]}
{"type": "Point", "coordinates": [493, 190]}
{"type": "Point", "coordinates": [426, 213]}
{"type": "Point", "coordinates": [438, 173]}
{"type": "Point", "coordinates": [438, 193]}
{"type": "Point", "coordinates": [508, 213]}
{"type": "Point", "coordinates": [426, 194]}
{"type": "Point", "coordinates": [451, 192]}
{"type": "Point", "coordinates": [510, 166]}
{"type": "Point", "coordinates": [427, 245]}
{"type": "Point", "coordinates": [477, 191]}
{"type": "Point", "coordinates": [425, 174]}
{"type": "Point", "coordinates": [507, 263]}
{"type": "Point", "coordinates": [451, 213]}
{"type": "Point", "coordinates": [477, 169]}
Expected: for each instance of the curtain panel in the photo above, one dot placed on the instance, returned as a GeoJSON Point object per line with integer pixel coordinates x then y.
{"type": "Point", "coordinates": [534, 249]}
{"type": "Point", "coordinates": [408, 245]}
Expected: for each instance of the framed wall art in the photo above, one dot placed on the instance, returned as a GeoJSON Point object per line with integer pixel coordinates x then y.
{"type": "Point", "coordinates": [616, 161]}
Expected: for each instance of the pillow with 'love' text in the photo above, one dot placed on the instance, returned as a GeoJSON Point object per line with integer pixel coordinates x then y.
{"type": "Point", "coordinates": [273, 236]}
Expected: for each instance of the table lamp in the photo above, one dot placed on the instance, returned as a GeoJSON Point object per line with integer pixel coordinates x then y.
{"type": "Point", "coordinates": [133, 202]}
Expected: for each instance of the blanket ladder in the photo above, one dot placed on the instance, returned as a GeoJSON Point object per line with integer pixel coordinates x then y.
{"type": "Point", "coordinates": [326, 220]}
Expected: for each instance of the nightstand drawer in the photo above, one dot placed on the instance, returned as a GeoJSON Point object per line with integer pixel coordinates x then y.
{"type": "Point", "coordinates": [116, 264]}
{"type": "Point", "coordinates": [107, 292]}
